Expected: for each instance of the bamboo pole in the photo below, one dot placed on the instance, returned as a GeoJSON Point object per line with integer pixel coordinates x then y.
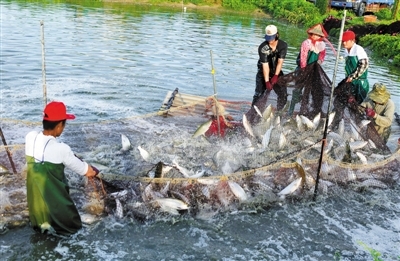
{"type": "Point", "coordinates": [43, 65]}
{"type": "Point", "coordinates": [329, 106]}
{"type": "Point", "coordinates": [215, 92]}
{"type": "Point", "coordinates": [8, 152]}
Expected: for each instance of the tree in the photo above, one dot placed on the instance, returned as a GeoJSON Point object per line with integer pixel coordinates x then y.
{"type": "Point", "coordinates": [395, 10]}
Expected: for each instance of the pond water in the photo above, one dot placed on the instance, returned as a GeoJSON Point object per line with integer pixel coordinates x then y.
{"type": "Point", "coordinates": [110, 61]}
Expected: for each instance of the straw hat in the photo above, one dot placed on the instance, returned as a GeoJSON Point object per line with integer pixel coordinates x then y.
{"type": "Point", "coordinates": [379, 93]}
{"type": "Point", "coordinates": [317, 29]}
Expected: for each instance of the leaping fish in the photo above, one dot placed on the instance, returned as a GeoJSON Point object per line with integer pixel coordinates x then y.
{"type": "Point", "coordinates": [145, 155]}
{"type": "Point", "coordinates": [292, 187]}
{"type": "Point", "coordinates": [171, 205]}
{"type": "Point", "coordinates": [126, 144]}
{"type": "Point", "coordinates": [247, 126]}
{"type": "Point", "coordinates": [237, 190]}
{"type": "Point", "coordinates": [258, 111]}
{"type": "Point", "coordinates": [203, 128]}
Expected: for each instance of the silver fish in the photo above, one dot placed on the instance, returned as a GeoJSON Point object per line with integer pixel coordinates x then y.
{"type": "Point", "coordinates": [266, 138]}
{"type": "Point", "coordinates": [258, 111]}
{"type": "Point", "coordinates": [355, 145]}
{"type": "Point", "coordinates": [316, 120]}
{"type": "Point", "coordinates": [292, 187]}
{"type": "Point", "coordinates": [307, 122]}
{"type": "Point", "coordinates": [341, 128]}
{"type": "Point", "coordinates": [331, 117]}
{"type": "Point", "coordinates": [267, 112]}
{"type": "Point", "coordinates": [203, 128]}
{"type": "Point", "coordinates": [119, 210]}
{"type": "Point", "coordinates": [185, 172]}
{"type": "Point", "coordinates": [171, 205]}
{"type": "Point", "coordinates": [247, 126]}
{"type": "Point", "coordinates": [145, 155]}
{"type": "Point", "coordinates": [126, 144]}
{"type": "Point", "coordinates": [282, 141]}
{"type": "Point", "coordinates": [362, 157]}
{"type": "Point", "coordinates": [237, 190]}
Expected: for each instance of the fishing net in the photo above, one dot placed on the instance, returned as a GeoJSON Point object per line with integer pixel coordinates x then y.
{"type": "Point", "coordinates": [267, 158]}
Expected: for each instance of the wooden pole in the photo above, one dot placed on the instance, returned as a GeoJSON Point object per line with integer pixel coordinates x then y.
{"type": "Point", "coordinates": [8, 152]}
{"type": "Point", "coordinates": [395, 10]}
{"type": "Point", "coordinates": [329, 106]}
{"type": "Point", "coordinates": [43, 65]}
{"type": "Point", "coordinates": [215, 92]}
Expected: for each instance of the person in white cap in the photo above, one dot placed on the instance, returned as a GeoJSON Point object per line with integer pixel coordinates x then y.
{"type": "Point", "coordinates": [51, 209]}
{"type": "Point", "coordinates": [379, 108]}
{"type": "Point", "coordinates": [272, 53]}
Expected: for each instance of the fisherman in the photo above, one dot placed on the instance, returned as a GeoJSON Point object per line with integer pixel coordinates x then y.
{"type": "Point", "coordinates": [380, 109]}
{"type": "Point", "coordinates": [51, 209]}
{"type": "Point", "coordinates": [356, 66]}
{"type": "Point", "coordinates": [272, 53]}
{"type": "Point", "coordinates": [217, 111]}
{"type": "Point", "coordinates": [312, 50]}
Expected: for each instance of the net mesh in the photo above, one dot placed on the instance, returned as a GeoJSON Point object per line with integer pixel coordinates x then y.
{"type": "Point", "coordinates": [280, 158]}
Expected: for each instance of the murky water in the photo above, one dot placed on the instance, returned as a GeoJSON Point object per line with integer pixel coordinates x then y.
{"type": "Point", "coordinates": [110, 62]}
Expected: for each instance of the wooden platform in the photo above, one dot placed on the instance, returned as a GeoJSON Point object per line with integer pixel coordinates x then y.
{"type": "Point", "coordinates": [190, 105]}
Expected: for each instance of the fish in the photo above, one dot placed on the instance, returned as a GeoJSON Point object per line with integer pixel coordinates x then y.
{"type": "Point", "coordinates": [357, 144]}
{"type": "Point", "coordinates": [316, 120]}
{"type": "Point", "coordinates": [237, 190]}
{"type": "Point", "coordinates": [89, 218]}
{"type": "Point", "coordinates": [171, 205]}
{"type": "Point", "coordinates": [307, 122]}
{"type": "Point", "coordinates": [258, 111]}
{"type": "Point", "coordinates": [362, 157]}
{"type": "Point", "coordinates": [4, 170]}
{"type": "Point", "coordinates": [299, 123]}
{"type": "Point", "coordinates": [247, 126]}
{"type": "Point", "coordinates": [126, 144]}
{"type": "Point", "coordinates": [341, 128]}
{"type": "Point", "coordinates": [331, 117]}
{"type": "Point", "coordinates": [292, 187]}
{"type": "Point", "coordinates": [266, 138]}
{"type": "Point", "coordinates": [267, 112]}
{"type": "Point", "coordinates": [202, 129]}
{"type": "Point", "coordinates": [282, 141]}
{"type": "Point", "coordinates": [364, 123]}
{"type": "Point", "coordinates": [145, 155]}
{"type": "Point", "coordinates": [185, 172]}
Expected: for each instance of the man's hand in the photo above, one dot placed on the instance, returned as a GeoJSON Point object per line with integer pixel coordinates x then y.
{"type": "Point", "coordinates": [370, 112]}
{"type": "Point", "coordinates": [268, 85]}
{"type": "Point", "coordinates": [351, 99]}
{"type": "Point", "coordinates": [92, 171]}
{"type": "Point", "coordinates": [274, 79]}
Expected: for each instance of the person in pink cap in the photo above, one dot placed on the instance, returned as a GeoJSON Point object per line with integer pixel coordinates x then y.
{"type": "Point", "coordinates": [51, 208]}
{"type": "Point", "coordinates": [356, 67]}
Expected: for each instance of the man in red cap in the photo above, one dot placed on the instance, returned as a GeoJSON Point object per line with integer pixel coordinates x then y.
{"type": "Point", "coordinates": [272, 53]}
{"type": "Point", "coordinates": [50, 206]}
{"type": "Point", "coordinates": [356, 67]}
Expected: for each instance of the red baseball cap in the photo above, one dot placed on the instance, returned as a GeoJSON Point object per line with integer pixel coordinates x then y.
{"type": "Point", "coordinates": [56, 111]}
{"type": "Point", "coordinates": [348, 35]}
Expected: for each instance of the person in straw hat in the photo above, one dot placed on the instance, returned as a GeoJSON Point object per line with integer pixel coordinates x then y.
{"type": "Point", "coordinates": [380, 109]}
{"type": "Point", "coordinates": [313, 48]}
{"type": "Point", "coordinates": [51, 209]}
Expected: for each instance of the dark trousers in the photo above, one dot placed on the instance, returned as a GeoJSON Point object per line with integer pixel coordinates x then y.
{"type": "Point", "coordinates": [281, 91]}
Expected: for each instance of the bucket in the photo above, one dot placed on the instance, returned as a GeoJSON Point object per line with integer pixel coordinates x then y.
{"type": "Point", "coordinates": [369, 18]}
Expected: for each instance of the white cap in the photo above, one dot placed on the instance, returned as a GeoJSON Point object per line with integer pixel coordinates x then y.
{"type": "Point", "coordinates": [270, 32]}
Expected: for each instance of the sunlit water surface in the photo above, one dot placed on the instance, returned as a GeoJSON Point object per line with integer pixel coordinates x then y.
{"type": "Point", "coordinates": [112, 62]}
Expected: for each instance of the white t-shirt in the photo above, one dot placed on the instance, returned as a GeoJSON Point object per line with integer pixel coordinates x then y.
{"type": "Point", "coordinates": [49, 149]}
{"type": "Point", "coordinates": [356, 50]}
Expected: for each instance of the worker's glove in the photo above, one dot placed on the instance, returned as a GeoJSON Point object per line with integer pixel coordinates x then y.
{"type": "Point", "coordinates": [274, 79]}
{"type": "Point", "coordinates": [370, 112]}
{"type": "Point", "coordinates": [268, 85]}
{"type": "Point", "coordinates": [351, 100]}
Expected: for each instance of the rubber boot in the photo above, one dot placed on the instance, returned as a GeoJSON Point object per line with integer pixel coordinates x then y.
{"type": "Point", "coordinates": [296, 98]}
